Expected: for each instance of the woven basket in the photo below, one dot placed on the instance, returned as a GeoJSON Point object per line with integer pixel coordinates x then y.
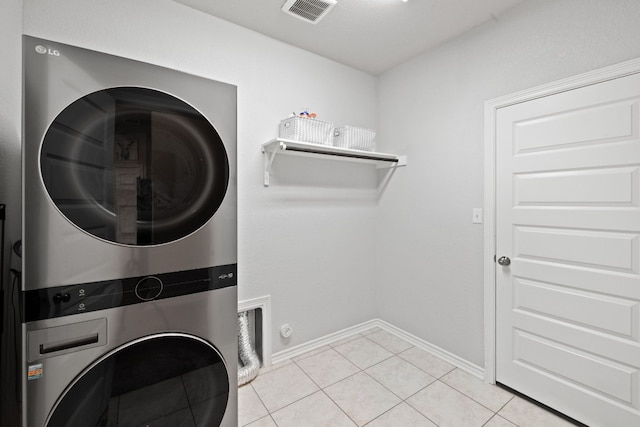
{"type": "Point", "coordinates": [355, 138]}
{"type": "Point", "coordinates": [306, 129]}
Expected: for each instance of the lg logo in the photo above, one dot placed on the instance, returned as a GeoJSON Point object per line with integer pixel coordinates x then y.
{"type": "Point", "coordinates": [42, 50]}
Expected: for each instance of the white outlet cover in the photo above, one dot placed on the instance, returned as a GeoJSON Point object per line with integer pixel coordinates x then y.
{"type": "Point", "coordinates": [476, 216]}
{"type": "Point", "coordinates": [286, 330]}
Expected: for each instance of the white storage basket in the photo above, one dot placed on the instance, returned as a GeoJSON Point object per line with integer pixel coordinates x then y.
{"type": "Point", "coordinates": [306, 129]}
{"type": "Point", "coordinates": [355, 138]}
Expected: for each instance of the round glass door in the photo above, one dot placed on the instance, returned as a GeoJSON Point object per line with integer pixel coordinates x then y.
{"type": "Point", "coordinates": [164, 380]}
{"type": "Point", "coordinates": [134, 166]}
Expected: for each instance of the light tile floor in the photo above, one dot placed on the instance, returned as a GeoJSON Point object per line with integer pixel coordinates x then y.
{"type": "Point", "coordinates": [376, 379]}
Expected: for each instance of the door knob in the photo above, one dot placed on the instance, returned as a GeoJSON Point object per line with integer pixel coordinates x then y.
{"type": "Point", "coordinates": [504, 260]}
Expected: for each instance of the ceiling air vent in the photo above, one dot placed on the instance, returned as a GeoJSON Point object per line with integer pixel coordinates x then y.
{"type": "Point", "coordinates": [308, 10]}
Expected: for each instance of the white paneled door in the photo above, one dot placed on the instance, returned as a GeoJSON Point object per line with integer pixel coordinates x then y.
{"type": "Point", "coordinates": [568, 220]}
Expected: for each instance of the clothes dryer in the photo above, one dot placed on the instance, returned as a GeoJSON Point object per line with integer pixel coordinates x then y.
{"type": "Point", "coordinates": [128, 168]}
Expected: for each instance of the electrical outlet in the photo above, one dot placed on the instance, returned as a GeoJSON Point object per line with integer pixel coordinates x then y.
{"type": "Point", "coordinates": [476, 216]}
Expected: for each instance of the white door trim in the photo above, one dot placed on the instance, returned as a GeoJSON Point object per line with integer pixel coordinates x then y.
{"type": "Point", "coordinates": [490, 111]}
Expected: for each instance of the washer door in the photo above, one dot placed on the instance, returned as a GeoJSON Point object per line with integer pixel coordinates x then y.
{"type": "Point", "coordinates": [163, 380]}
{"type": "Point", "coordinates": [134, 166]}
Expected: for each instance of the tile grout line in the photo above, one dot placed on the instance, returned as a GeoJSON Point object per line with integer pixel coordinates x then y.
{"type": "Point", "coordinates": [489, 420]}
{"type": "Point", "coordinates": [471, 397]}
{"type": "Point", "coordinates": [303, 397]}
{"type": "Point", "coordinates": [401, 399]}
{"type": "Point", "coordinates": [502, 407]}
{"type": "Point", "coordinates": [418, 410]}
{"type": "Point", "coordinates": [338, 406]}
{"type": "Point", "coordinates": [322, 389]}
{"type": "Point", "coordinates": [385, 412]}
{"type": "Point", "coordinates": [468, 397]}
{"type": "Point", "coordinates": [261, 402]}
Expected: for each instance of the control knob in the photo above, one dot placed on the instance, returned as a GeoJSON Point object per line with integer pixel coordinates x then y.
{"type": "Point", "coordinates": [149, 288]}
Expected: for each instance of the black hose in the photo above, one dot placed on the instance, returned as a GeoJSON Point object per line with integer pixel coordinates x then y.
{"type": "Point", "coordinates": [2, 219]}
{"type": "Point", "coordinates": [17, 282]}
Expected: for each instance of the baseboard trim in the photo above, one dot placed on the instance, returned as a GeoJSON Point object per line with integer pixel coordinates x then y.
{"type": "Point", "coordinates": [299, 349]}
{"type": "Point", "coordinates": [448, 357]}
{"type": "Point", "coordinates": [443, 354]}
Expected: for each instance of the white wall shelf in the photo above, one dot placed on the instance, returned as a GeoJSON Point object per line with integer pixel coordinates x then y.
{"type": "Point", "coordinates": [287, 146]}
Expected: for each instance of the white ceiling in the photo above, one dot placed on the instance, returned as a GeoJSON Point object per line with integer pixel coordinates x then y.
{"type": "Point", "coordinates": [370, 35]}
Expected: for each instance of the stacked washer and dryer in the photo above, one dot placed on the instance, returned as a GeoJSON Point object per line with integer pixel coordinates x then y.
{"type": "Point", "coordinates": [129, 300]}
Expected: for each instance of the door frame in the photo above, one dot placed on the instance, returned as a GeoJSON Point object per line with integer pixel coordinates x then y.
{"type": "Point", "coordinates": [490, 112]}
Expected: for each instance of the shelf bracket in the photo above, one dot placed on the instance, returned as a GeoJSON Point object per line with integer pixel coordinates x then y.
{"type": "Point", "coordinates": [268, 161]}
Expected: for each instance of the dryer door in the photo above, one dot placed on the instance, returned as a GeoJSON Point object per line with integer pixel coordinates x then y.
{"type": "Point", "coordinates": [166, 379]}
{"type": "Point", "coordinates": [134, 166]}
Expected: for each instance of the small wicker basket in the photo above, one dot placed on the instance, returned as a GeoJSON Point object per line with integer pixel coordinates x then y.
{"type": "Point", "coordinates": [306, 129]}
{"type": "Point", "coordinates": [355, 138]}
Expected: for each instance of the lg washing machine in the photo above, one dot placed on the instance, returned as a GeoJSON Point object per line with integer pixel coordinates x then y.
{"type": "Point", "coordinates": [141, 351]}
{"type": "Point", "coordinates": [129, 243]}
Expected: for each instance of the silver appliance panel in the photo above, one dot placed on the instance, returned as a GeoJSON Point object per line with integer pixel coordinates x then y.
{"type": "Point", "coordinates": [56, 251]}
{"type": "Point", "coordinates": [209, 316]}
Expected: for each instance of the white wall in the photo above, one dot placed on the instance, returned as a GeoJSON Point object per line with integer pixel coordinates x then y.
{"type": "Point", "coordinates": [431, 108]}
{"type": "Point", "coordinates": [308, 240]}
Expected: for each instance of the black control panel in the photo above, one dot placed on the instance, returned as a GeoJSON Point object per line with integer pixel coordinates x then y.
{"type": "Point", "coordinates": [67, 300]}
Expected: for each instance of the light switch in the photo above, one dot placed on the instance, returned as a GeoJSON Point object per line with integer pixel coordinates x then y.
{"type": "Point", "coordinates": [477, 216]}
